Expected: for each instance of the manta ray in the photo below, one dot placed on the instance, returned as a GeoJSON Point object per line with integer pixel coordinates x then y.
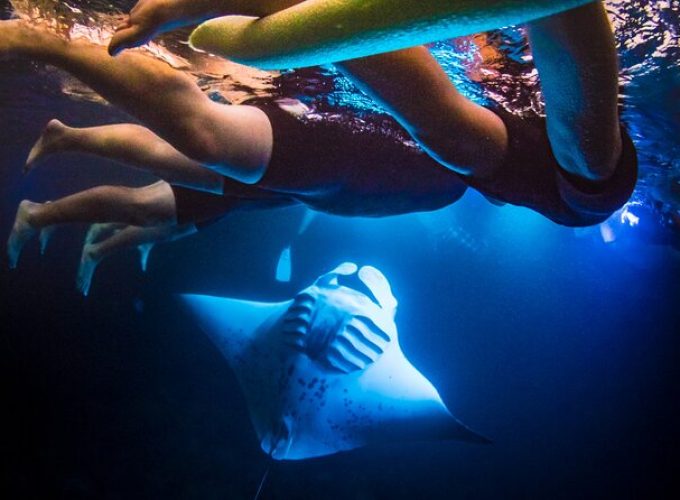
{"type": "Point", "coordinates": [324, 372]}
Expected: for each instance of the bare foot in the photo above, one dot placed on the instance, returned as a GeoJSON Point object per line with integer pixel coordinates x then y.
{"type": "Point", "coordinates": [101, 230]}
{"type": "Point", "coordinates": [22, 231]}
{"type": "Point", "coordinates": [50, 142]}
{"type": "Point", "coordinates": [45, 237]}
{"type": "Point", "coordinates": [88, 264]}
{"type": "Point", "coordinates": [144, 251]}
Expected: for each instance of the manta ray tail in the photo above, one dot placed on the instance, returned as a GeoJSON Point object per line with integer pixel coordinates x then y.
{"type": "Point", "coordinates": [264, 478]}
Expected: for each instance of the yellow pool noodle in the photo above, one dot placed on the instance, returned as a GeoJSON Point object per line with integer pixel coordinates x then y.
{"type": "Point", "coordinates": [325, 31]}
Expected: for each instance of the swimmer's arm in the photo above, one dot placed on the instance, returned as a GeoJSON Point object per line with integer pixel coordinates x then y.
{"type": "Point", "coordinates": [323, 31]}
{"type": "Point", "coordinates": [149, 18]}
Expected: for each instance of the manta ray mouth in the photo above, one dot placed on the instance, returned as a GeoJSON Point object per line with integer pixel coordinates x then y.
{"type": "Point", "coordinates": [355, 283]}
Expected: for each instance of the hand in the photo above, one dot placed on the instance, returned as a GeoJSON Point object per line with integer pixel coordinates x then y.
{"type": "Point", "coordinates": [147, 19]}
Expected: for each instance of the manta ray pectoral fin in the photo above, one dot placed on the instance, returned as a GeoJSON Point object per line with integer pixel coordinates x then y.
{"type": "Point", "coordinates": [461, 432]}
{"type": "Point", "coordinates": [230, 322]}
{"type": "Point", "coordinates": [436, 426]}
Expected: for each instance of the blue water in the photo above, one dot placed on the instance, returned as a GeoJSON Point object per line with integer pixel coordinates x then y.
{"type": "Point", "coordinates": [561, 347]}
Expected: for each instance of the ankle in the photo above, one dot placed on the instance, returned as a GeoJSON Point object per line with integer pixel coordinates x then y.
{"type": "Point", "coordinates": [30, 213]}
{"type": "Point", "coordinates": [92, 252]}
{"type": "Point", "coordinates": [65, 138]}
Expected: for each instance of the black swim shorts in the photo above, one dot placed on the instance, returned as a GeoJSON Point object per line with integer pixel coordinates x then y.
{"type": "Point", "coordinates": [531, 177]}
{"type": "Point", "coordinates": [351, 165]}
{"type": "Point", "coordinates": [202, 209]}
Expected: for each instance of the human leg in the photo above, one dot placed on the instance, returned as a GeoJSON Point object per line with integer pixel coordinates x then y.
{"type": "Point", "coordinates": [147, 206]}
{"type": "Point", "coordinates": [131, 144]}
{"type": "Point", "coordinates": [142, 238]}
{"type": "Point", "coordinates": [232, 140]}
{"type": "Point", "coordinates": [416, 91]}
{"type": "Point", "coordinates": [101, 230]}
{"type": "Point", "coordinates": [461, 135]}
{"type": "Point", "coordinates": [577, 63]}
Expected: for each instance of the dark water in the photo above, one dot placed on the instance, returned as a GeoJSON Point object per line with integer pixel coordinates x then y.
{"type": "Point", "coordinates": [562, 348]}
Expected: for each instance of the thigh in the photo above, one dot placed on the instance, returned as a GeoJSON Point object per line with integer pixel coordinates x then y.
{"type": "Point", "coordinates": [232, 140]}
{"type": "Point", "coordinates": [577, 63]}
{"type": "Point", "coordinates": [416, 90]}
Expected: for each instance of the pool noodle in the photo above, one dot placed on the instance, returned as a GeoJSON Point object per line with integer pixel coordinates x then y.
{"type": "Point", "coordinates": [325, 31]}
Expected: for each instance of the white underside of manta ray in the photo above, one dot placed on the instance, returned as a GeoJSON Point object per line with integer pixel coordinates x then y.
{"type": "Point", "coordinates": [324, 372]}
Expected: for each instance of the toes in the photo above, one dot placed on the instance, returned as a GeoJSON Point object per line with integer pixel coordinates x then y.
{"type": "Point", "coordinates": [45, 236]}
{"type": "Point", "coordinates": [84, 278]}
{"type": "Point", "coordinates": [144, 251]}
{"type": "Point", "coordinates": [44, 145]}
{"type": "Point", "coordinates": [21, 233]}
{"type": "Point", "coordinates": [14, 247]}
{"type": "Point", "coordinates": [12, 255]}
{"type": "Point", "coordinates": [126, 38]}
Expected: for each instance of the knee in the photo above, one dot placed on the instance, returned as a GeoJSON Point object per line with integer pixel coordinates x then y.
{"type": "Point", "coordinates": [477, 156]}
{"type": "Point", "coordinates": [141, 208]}
{"type": "Point", "coordinates": [596, 164]}
{"type": "Point", "coordinates": [200, 142]}
{"type": "Point", "coordinates": [152, 206]}
{"type": "Point", "coordinates": [591, 156]}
